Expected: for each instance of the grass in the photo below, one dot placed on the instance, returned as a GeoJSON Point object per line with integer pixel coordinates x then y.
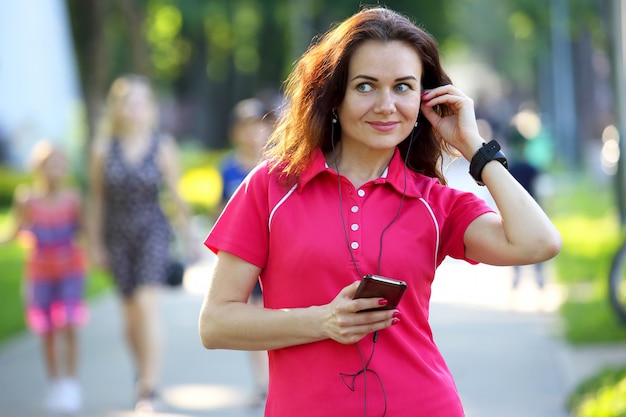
{"type": "Point", "coordinates": [602, 395]}
{"type": "Point", "coordinates": [11, 300]}
{"type": "Point", "coordinates": [585, 215]}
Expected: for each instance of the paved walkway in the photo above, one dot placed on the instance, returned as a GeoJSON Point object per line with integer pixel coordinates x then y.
{"type": "Point", "coordinates": [502, 346]}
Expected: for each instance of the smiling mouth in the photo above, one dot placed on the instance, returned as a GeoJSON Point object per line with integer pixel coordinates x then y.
{"type": "Point", "coordinates": [383, 126]}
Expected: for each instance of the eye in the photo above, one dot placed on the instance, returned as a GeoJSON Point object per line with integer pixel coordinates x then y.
{"type": "Point", "coordinates": [402, 87]}
{"type": "Point", "coordinates": [364, 87]}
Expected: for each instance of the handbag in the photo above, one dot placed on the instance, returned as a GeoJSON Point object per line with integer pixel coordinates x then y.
{"type": "Point", "coordinates": [175, 273]}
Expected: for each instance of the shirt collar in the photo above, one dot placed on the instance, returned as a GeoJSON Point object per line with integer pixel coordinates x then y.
{"type": "Point", "coordinates": [393, 175]}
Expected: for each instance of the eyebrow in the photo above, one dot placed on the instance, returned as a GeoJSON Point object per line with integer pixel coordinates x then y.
{"type": "Point", "coordinates": [367, 77]}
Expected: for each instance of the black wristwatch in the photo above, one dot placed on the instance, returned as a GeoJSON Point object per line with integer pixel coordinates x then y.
{"type": "Point", "coordinates": [489, 152]}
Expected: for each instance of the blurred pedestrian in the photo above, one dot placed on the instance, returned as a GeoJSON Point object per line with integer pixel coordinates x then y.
{"type": "Point", "coordinates": [352, 187]}
{"type": "Point", "coordinates": [49, 214]}
{"type": "Point", "coordinates": [527, 174]}
{"type": "Point", "coordinates": [250, 126]}
{"type": "Point", "coordinates": [131, 235]}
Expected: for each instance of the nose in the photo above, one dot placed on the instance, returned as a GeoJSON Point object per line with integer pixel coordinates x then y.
{"type": "Point", "coordinates": [385, 102]}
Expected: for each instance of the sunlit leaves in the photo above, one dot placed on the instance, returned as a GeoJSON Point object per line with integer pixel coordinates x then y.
{"type": "Point", "coordinates": [521, 25]}
{"type": "Point", "coordinates": [232, 35]}
{"type": "Point", "coordinates": [247, 25]}
{"type": "Point", "coordinates": [169, 51]}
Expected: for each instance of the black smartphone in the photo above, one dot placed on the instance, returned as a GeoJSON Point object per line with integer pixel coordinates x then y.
{"type": "Point", "coordinates": [377, 286]}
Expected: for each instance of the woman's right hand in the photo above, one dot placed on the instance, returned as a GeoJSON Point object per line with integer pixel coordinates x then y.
{"type": "Point", "coordinates": [346, 325]}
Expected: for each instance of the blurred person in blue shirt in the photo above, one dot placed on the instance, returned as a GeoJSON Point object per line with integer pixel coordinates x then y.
{"type": "Point", "coordinates": [251, 123]}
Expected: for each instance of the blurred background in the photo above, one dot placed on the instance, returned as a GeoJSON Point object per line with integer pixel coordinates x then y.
{"type": "Point", "coordinates": [548, 75]}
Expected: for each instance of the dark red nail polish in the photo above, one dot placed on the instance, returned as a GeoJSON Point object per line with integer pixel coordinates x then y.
{"type": "Point", "coordinates": [382, 302]}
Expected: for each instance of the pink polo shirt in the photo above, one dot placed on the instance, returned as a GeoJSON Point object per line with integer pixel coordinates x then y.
{"type": "Point", "coordinates": [296, 236]}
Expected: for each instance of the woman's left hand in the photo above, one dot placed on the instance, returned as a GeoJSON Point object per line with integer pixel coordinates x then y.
{"type": "Point", "coordinates": [459, 129]}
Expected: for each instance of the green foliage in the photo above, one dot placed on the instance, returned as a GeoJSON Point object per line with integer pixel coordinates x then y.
{"type": "Point", "coordinates": [588, 247]}
{"type": "Point", "coordinates": [9, 180]}
{"type": "Point", "coordinates": [11, 300]}
{"type": "Point", "coordinates": [168, 50]}
{"type": "Point", "coordinates": [585, 215]}
{"type": "Point", "coordinates": [591, 321]}
{"type": "Point", "coordinates": [603, 395]}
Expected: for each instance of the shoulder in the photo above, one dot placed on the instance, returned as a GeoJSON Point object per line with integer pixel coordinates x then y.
{"type": "Point", "coordinates": [228, 161]}
{"type": "Point", "coordinates": [425, 186]}
{"type": "Point", "coordinates": [167, 148]}
{"type": "Point", "coordinates": [264, 182]}
{"type": "Point", "coordinates": [100, 149]}
{"type": "Point", "coordinates": [261, 175]}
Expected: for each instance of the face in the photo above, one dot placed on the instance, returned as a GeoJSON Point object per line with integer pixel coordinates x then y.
{"type": "Point", "coordinates": [137, 106]}
{"type": "Point", "coordinates": [251, 134]}
{"type": "Point", "coordinates": [382, 97]}
{"type": "Point", "coordinates": [54, 168]}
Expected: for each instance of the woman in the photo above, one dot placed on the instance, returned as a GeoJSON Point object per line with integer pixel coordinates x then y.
{"type": "Point", "coordinates": [352, 185]}
{"type": "Point", "coordinates": [130, 231]}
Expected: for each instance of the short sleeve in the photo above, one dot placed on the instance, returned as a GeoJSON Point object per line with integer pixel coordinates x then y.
{"type": "Point", "coordinates": [458, 210]}
{"type": "Point", "coordinates": [242, 227]}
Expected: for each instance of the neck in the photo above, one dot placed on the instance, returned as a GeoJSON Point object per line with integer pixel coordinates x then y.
{"type": "Point", "coordinates": [134, 131]}
{"type": "Point", "coordinates": [48, 188]}
{"type": "Point", "coordinates": [248, 157]}
{"type": "Point", "coordinates": [359, 167]}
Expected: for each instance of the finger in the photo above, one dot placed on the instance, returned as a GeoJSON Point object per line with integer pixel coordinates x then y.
{"type": "Point", "coordinates": [350, 290]}
{"type": "Point", "coordinates": [374, 326]}
{"type": "Point", "coordinates": [442, 90]}
{"type": "Point", "coordinates": [450, 100]}
{"type": "Point", "coordinates": [361, 304]}
{"type": "Point", "coordinates": [430, 114]}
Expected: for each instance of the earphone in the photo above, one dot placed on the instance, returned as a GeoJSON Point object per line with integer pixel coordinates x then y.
{"type": "Point", "coordinates": [365, 369]}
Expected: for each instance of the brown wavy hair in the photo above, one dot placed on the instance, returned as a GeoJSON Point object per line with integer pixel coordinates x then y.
{"type": "Point", "coordinates": [318, 82]}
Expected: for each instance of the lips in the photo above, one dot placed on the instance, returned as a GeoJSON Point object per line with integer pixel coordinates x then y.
{"type": "Point", "coordinates": [384, 126]}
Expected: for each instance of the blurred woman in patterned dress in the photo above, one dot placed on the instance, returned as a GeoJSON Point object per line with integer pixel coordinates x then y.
{"type": "Point", "coordinates": [132, 161]}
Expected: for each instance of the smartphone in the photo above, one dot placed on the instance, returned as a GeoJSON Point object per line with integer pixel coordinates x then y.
{"type": "Point", "coordinates": [378, 286]}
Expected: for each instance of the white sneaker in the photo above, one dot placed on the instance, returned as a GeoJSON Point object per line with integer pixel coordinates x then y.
{"type": "Point", "coordinates": [52, 401]}
{"type": "Point", "coordinates": [70, 398]}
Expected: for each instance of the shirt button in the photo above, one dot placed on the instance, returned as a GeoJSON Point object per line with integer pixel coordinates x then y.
{"type": "Point", "coordinates": [354, 227]}
{"type": "Point", "coordinates": [355, 209]}
{"type": "Point", "coordinates": [361, 193]}
{"type": "Point", "coordinates": [355, 245]}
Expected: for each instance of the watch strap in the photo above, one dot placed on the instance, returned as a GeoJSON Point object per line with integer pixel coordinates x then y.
{"type": "Point", "coordinates": [490, 151]}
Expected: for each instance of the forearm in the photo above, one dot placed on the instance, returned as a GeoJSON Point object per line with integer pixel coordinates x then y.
{"type": "Point", "coordinates": [242, 326]}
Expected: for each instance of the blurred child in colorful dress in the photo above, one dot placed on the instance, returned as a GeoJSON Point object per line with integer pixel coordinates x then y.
{"type": "Point", "coordinates": [48, 219]}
